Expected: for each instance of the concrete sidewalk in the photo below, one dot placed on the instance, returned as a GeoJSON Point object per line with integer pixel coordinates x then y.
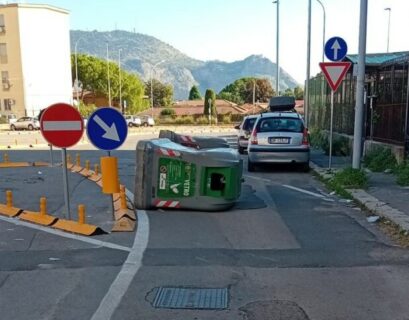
{"type": "Point", "coordinates": [383, 197]}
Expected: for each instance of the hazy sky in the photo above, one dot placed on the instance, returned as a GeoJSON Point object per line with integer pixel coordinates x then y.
{"type": "Point", "coordinates": [231, 30]}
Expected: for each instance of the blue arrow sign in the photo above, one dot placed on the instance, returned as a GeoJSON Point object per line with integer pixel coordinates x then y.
{"type": "Point", "coordinates": [336, 49]}
{"type": "Point", "coordinates": [107, 129]}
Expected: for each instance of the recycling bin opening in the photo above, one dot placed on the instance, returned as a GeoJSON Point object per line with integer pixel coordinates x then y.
{"type": "Point", "coordinates": [217, 181]}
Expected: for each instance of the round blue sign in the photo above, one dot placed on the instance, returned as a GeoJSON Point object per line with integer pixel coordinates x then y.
{"type": "Point", "coordinates": [107, 128]}
{"type": "Point", "coordinates": [336, 49]}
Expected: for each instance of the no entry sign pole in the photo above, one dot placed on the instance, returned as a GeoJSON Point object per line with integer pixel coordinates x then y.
{"type": "Point", "coordinates": [62, 126]}
{"type": "Point", "coordinates": [65, 180]}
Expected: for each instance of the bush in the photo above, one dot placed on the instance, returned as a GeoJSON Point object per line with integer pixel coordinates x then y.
{"type": "Point", "coordinates": [351, 178]}
{"type": "Point", "coordinates": [202, 120]}
{"type": "Point", "coordinates": [168, 112]}
{"type": "Point", "coordinates": [185, 120]}
{"type": "Point", "coordinates": [402, 173]}
{"type": "Point", "coordinates": [340, 145]}
{"type": "Point", "coordinates": [380, 159]}
{"type": "Point", "coordinates": [226, 119]}
{"type": "Point", "coordinates": [317, 138]}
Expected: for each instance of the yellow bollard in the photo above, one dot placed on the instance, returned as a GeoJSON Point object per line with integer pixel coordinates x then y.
{"type": "Point", "coordinates": [6, 157]}
{"type": "Point", "coordinates": [110, 179]}
{"type": "Point", "coordinates": [96, 169]}
{"type": "Point", "coordinates": [68, 158]}
{"type": "Point", "coordinates": [9, 198]}
{"type": "Point", "coordinates": [36, 141]}
{"type": "Point", "coordinates": [123, 198]}
{"type": "Point", "coordinates": [43, 206]}
{"type": "Point", "coordinates": [87, 165]}
{"type": "Point", "coordinates": [81, 214]}
{"type": "Point", "coordinates": [77, 160]}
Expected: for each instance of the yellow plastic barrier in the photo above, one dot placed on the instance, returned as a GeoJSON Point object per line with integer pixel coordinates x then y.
{"type": "Point", "coordinates": [41, 217]}
{"type": "Point", "coordinates": [121, 207]}
{"type": "Point", "coordinates": [80, 226]}
{"type": "Point", "coordinates": [124, 225]}
{"type": "Point", "coordinates": [77, 167]}
{"type": "Point", "coordinates": [86, 171]}
{"type": "Point", "coordinates": [8, 209]}
{"type": "Point", "coordinates": [110, 180]}
{"type": "Point", "coordinates": [95, 176]}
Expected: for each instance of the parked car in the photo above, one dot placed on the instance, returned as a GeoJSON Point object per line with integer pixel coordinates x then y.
{"type": "Point", "coordinates": [11, 118]}
{"type": "Point", "coordinates": [25, 123]}
{"type": "Point", "coordinates": [245, 129]}
{"type": "Point", "coordinates": [279, 137]}
{"type": "Point", "coordinates": [133, 121]}
{"type": "Point", "coordinates": [147, 121]}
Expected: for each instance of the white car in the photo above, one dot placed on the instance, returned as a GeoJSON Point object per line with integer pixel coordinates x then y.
{"type": "Point", "coordinates": [133, 121]}
{"type": "Point", "coordinates": [147, 121]}
{"type": "Point", "coordinates": [25, 123]}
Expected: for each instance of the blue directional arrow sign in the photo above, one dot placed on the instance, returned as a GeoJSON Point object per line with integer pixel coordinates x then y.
{"type": "Point", "coordinates": [107, 129]}
{"type": "Point", "coordinates": [336, 49]}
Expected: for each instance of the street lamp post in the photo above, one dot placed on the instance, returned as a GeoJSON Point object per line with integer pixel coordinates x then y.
{"type": "Point", "coordinates": [323, 47]}
{"type": "Point", "coordinates": [109, 80]}
{"type": "Point", "coordinates": [277, 47]}
{"type": "Point", "coordinates": [153, 68]}
{"type": "Point", "coordinates": [76, 73]}
{"type": "Point", "coordinates": [389, 27]}
{"type": "Point", "coordinates": [120, 81]}
{"type": "Point", "coordinates": [307, 81]}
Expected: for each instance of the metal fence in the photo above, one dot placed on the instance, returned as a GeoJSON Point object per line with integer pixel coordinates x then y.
{"type": "Point", "coordinates": [385, 119]}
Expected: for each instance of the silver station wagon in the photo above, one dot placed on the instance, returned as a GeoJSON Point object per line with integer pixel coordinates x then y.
{"type": "Point", "coordinates": [279, 137]}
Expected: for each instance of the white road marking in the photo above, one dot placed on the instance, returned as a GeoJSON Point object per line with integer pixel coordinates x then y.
{"type": "Point", "coordinates": [62, 125]}
{"type": "Point", "coordinates": [129, 269]}
{"type": "Point", "coordinates": [317, 195]}
{"type": "Point", "coordinates": [95, 242]}
{"type": "Point", "coordinates": [256, 178]}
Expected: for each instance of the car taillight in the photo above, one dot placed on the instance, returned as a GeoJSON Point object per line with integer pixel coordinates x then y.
{"type": "Point", "coordinates": [305, 137]}
{"type": "Point", "coordinates": [253, 138]}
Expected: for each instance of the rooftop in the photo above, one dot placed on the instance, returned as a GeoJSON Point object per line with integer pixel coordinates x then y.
{"type": "Point", "coordinates": [34, 6]}
{"type": "Point", "coordinates": [376, 59]}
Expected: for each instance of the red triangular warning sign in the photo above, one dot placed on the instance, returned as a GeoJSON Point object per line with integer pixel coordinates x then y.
{"type": "Point", "coordinates": [334, 72]}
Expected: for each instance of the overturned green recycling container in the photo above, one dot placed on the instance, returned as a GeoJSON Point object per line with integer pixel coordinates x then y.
{"type": "Point", "coordinates": [194, 142]}
{"type": "Point", "coordinates": [172, 176]}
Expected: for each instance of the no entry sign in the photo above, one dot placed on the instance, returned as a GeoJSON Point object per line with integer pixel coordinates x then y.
{"type": "Point", "coordinates": [61, 125]}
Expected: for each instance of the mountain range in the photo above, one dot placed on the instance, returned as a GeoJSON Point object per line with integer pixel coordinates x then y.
{"type": "Point", "coordinates": [140, 52]}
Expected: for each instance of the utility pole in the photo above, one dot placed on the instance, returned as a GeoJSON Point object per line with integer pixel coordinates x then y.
{"type": "Point", "coordinates": [307, 81]}
{"type": "Point", "coordinates": [254, 94]}
{"type": "Point", "coordinates": [278, 48]}
{"type": "Point", "coordinates": [109, 81]}
{"type": "Point", "coordinates": [360, 86]}
{"type": "Point", "coordinates": [389, 27]}
{"type": "Point", "coordinates": [120, 82]}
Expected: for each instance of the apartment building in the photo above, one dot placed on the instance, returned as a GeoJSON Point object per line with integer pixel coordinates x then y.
{"type": "Point", "coordinates": [35, 60]}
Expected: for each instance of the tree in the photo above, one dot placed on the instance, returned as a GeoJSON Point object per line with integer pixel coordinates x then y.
{"type": "Point", "coordinates": [210, 96]}
{"type": "Point", "coordinates": [299, 93]}
{"type": "Point", "coordinates": [194, 94]}
{"type": "Point", "coordinates": [288, 93]}
{"type": "Point", "coordinates": [241, 91]}
{"type": "Point", "coordinates": [92, 75]}
{"type": "Point", "coordinates": [162, 93]}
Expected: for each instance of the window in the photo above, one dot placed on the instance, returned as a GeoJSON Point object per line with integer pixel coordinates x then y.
{"type": "Point", "coordinates": [5, 80]}
{"type": "Point", "coordinates": [3, 53]}
{"type": "Point", "coordinates": [8, 103]}
{"type": "Point", "coordinates": [2, 24]}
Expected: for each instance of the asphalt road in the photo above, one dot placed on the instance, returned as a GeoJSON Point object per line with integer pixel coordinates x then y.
{"type": "Point", "coordinates": [288, 250]}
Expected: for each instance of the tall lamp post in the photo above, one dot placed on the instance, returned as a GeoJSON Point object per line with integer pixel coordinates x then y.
{"type": "Point", "coordinates": [76, 73]}
{"type": "Point", "coordinates": [307, 81]}
{"type": "Point", "coordinates": [153, 68]}
{"type": "Point", "coordinates": [109, 80]}
{"type": "Point", "coordinates": [277, 47]}
{"type": "Point", "coordinates": [389, 27]}
{"type": "Point", "coordinates": [120, 81]}
{"type": "Point", "coordinates": [323, 46]}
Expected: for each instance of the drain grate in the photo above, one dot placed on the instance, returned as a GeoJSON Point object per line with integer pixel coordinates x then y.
{"type": "Point", "coordinates": [191, 298]}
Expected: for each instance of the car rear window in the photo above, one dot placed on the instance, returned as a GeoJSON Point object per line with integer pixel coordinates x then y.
{"type": "Point", "coordinates": [281, 124]}
{"type": "Point", "coordinates": [249, 124]}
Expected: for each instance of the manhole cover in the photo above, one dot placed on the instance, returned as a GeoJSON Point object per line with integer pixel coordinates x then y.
{"type": "Point", "coordinates": [191, 298]}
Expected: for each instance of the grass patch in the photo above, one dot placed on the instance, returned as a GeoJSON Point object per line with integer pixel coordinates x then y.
{"type": "Point", "coordinates": [380, 159]}
{"type": "Point", "coordinates": [351, 178]}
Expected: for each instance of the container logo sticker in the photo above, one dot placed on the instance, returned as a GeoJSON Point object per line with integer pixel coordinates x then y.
{"type": "Point", "coordinates": [162, 181]}
{"type": "Point", "coordinates": [174, 188]}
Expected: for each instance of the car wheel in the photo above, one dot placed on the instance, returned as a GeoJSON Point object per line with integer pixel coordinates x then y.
{"type": "Point", "coordinates": [130, 125]}
{"type": "Point", "coordinates": [30, 127]}
{"type": "Point", "coordinates": [251, 167]}
{"type": "Point", "coordinates": [13, 127]}
{"type": "Point", "coordinates": [145, 124]}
